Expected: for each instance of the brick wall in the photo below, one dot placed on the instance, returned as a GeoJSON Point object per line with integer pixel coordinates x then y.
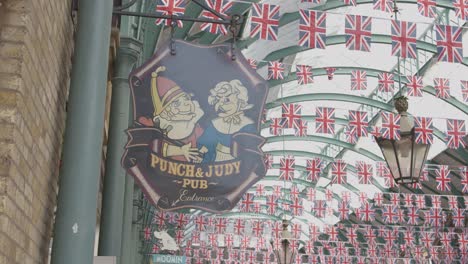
{"type": "Point", "coordinates": [36, 40]}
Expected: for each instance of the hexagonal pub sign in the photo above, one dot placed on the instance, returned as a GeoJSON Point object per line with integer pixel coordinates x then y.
{"type": "Point", "coordinates": [195, 140]}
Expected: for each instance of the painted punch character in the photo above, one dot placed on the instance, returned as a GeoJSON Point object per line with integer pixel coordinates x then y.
{"type": "Point", "coordinates": [177, 114]}
{"type": "Point", "coordinates": [230, 100]}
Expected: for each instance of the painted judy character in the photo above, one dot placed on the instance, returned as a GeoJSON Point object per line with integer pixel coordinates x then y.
{"type": "Point", "coordinates": [177, 114]}
{"type": "Point", "coordinates": [230, 100]}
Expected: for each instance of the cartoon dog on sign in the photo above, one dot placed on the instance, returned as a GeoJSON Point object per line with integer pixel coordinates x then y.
{"type": "Point", "coordinates": [168, 243]}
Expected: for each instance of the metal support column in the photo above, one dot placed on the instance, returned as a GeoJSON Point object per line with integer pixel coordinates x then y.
{"type": "Point", "coordinates": [110, 237]}
{"type": "Point", "coordinates": [75, 223]}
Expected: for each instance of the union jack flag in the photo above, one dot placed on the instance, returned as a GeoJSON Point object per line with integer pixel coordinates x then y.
{"type": "Point", "coordinates": [339, 172]}
{"type": "Point", "coordinates": [378, 198]}
{"type": "Point", "coordinates": [383, 5]}
{"type": "Point", "coordinates": [300, 128]}
{"type": "Point", "coordinates": [272, 202]}
{"type": "Point", "coordinates": [427, 8]}
{"type": "Point", "coordinates": [296, 206]}
{"type": "Point", "coordinates": [294, 191]}
{"type": "Point", "coordinates": [386, 82]}
{"type": "Point", "coordinates": [247, 202]}
{"type": "Point", "coordinates": [443, 178]}
{"type": "Point", "coordinates": [358, 32]}
{"type": "Point", "coordinates": [220, 6]}
{"type": "Point", "coordinates": [265, 21]}
{"type": "Point", "coordinates": [319, 208]}
{"type": "Point", "coordinates": [287, 169]}
{"type": "Point", "coordinates": [464, 90]}
{"type": "Point", "coordinates": [375, 132]}
{"type": "Point", "coordinates": [310, 194]}
{"type": "Point", "coordinates": [358, 80]}
{"type": "Point", "coordinates": [461, 8]}
{"type": "Point", "coordinates": [268, 159]}
{"type": "Point", "coordinates": [252, 63]}
{"type": "Point", "coordinates": [464, 180]}
{"type": "Point", "coordinates": [364, 172]}
{"type": "Point", "coordinates": [291, 113]}
{"type": "Point", "coordinates": [367, 213]}
{"type": "Point", "coordinates": [155, 248]}
{"type": "Point", "coordinates": [458, 216]}
{"type": "Point", "coordinates": [414, 85]}
{"type": "Point", "coordinates": [434, 216]}
{"type": "Point", "coordinates": [453, 202]}
{"type": "Point", "coordinates": [330, 72]}
{"type": "Point", "coordinates": [147, 233]}
{"type": "Point", "coordinates": [350, 2]}
{"type": "Point", "coordinates": [358, 123]}
{"type": "Point", "coordinates": [325, 120]}
{"type": "Point", "coordinates": [276, 126]}
{"type": "Point", "coordinates": [275, 70]}
{"type": "Point", "coordinates": [390, 126]}
{"type": "Point", "coordinates": [170, 8]}
{"type": "Point", "coordinates": [277, 190]}
{"type": "Point", "coordinates": [413, 216]}
{"type": "Point", "coordinates": [239, 226]}
{"type": "Point", "coordinates": [404, 39]}
{"type": "Point", "coordinates": [442, 87]}
{"type": "Point", "coordinates": [449, 43]}
{"type": "Point", "coordinates": [423, 130]}
{"type": "Point", "coordinates": [351, 136]}
{"type": "Point", "coordinates": [455, 133]}
{"type": "Point", "coordinates": [343, 210]}
{"type": "Point", "coordinates": [390, 214]}
{"type": "Point", "coordinates": [312, 29]}
{"type": "Point", "coordinates": [314, 169]}
{"type": "Point", "coordinates": [304, 74]}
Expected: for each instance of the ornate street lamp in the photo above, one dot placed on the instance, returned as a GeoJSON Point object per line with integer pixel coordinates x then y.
{"type": "Point", "coordinates": [285, 255]}
{"type": "Point", "coordinates": [404, 157]}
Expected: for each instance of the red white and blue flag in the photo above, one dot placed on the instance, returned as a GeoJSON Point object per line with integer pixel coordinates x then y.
{"type": "Point", "coordinates": [330, 72]}
{"type": "Point", "coordinates": [464, 179]}
{"type": "Point", "coordinates": [312, 29]}
{"type": "Point", "coordinates": [220, 6]}
{"type": "Point", "coordinates": [358, 30]}
{"type": "Point", "coordinates": [386, 82]}
{"type": "Point", "coordinates": [296, 207]}
{"type": "Point", "coordinates": [367, 213]}
{"type": "Point", "coordinates": [268, 160]}
{"type": "Point", "coordinates": [383, 5]}
{"type": "Point", "coordinates": [276, 126]}
{"type": "Point", "coordinates": [442, 87]}
{"type": "Point", "coordinates": [390, 126]}
{"type": "Point", "coordinates": [252, 63]}
{"type": "Point", "coordinates": [358, 80]}
{"type": "Point", "coordinates": [415, 86]}
{"type": "Point", "coordinates": [275, 70]}
{"type": "Point", "coordinates": [291, 113]}
{"type": "Point", "coordinates": [325, 120]}
{"type": "Point", "coordinates": [350, 2]}
{"type": "Point", "coordinates": [443, 178]}
{"type": "Point", "coordinates": [458, 216]}
{"type": "Point", "coordinates": [300, 128]}
{"type": "Point", "coordinates": [364, 172]}
{"type": "Point", "coordinates": [358, 123]}
{"type": "Point", "coordinates": [456, 131]}
{"type": "Point", "coordinates": [304, 74]}
{"type": "Point", "coordinates": [427, 8]}
{"type": "Point", "coordinates": [461, 9]}
{"type": "Point", "coordinates": [423, 130]}
{"type": "Point", "coordinates": [338, 172]}
{"type": "Point", "coordinates": [404, 39]}
{"type": "Point", "coordinates": [265, 21]}
{"type": "Point", "coordinates": [464, 90]}
{"type": "Point", "coordinates": [271, 203]}
{"type": "Point", "coordinates": [287, 168]}
{"type": "Point", "coordinates": [449, 43]}
{"type": "Point", "coordinates": [170, 8]}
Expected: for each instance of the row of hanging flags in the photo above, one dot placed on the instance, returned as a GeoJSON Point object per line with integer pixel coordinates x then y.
{"type": "Point", "coordinates": [351, 240]}
{"type": "Point", "coordinates": [358, 29]}
{"type": "Point", "coordinates": [386, 80]}
{"type": "Point", "coordinates": [358, 125]}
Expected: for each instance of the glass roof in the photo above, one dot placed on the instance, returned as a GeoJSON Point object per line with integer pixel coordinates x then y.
{"type": "Point", "coordinates": [378, 60]}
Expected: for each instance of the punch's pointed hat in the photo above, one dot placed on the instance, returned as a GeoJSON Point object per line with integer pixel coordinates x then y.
{"type": "Point", "coordinates": [163, 91]}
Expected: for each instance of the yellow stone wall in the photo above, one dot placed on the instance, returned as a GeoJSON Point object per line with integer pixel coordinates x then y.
{"type": "Point", "coordinates": [36, 45]}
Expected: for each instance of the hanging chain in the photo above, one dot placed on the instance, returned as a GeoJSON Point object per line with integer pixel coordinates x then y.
{"type": "Point", "coordinates": [234, 29]}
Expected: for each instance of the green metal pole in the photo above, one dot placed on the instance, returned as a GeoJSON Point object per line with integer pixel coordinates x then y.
{"type": "Point", "coordinates": [110, 237]}
{"type": "Point", "coordinates": [127, 242]}
{"type": "Point", "coordinates": [75, 223]}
